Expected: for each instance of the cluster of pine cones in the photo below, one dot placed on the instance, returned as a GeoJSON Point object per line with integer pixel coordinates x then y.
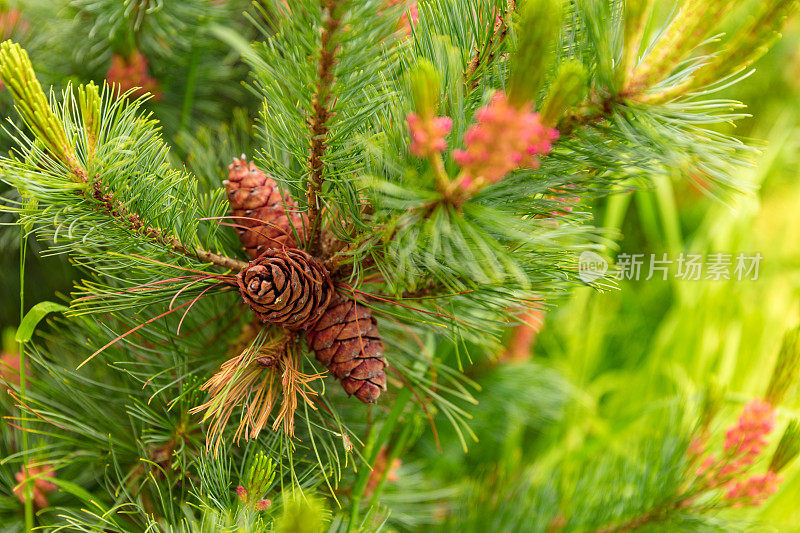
{"type": "Point", "coordinates": [286, 286]}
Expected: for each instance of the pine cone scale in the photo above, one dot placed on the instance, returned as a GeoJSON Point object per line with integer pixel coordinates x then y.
{"type": "Point", "coordinates": [331, 317]}
{"type": "Point", "coordinates": [357, 329]}
{"type": "Point", "coordinates": [349, 349]}
{"type": "Point", "coordinates": [369, 369]}
{"type": "Point", "coordinates": [346, 340]}
{"type": "Point", "coordinates": [264, 216]}
{"type": "Point", "coordinates": [278, 287]}
{"type": "Point", "coordinates": [325, 338]}
{"type": "Point", "coordinates": [366, 391]}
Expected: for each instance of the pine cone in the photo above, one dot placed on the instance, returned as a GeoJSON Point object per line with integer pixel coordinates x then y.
{"type": "Point", "coordinates": [286, 287]}
{"type": "Point", "coordinates": [346, 340]}
{"type": "Point", "coordinates": [258, 205]}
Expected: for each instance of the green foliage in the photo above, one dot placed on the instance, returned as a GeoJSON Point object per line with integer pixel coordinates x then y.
{"type": "Point", "coordinates": [129, 190]}
{"type": "Point", "coordinates": [538, 28]}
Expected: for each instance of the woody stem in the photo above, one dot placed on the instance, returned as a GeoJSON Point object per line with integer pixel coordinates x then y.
{"type": "Point", "coordinates": [320, 120]}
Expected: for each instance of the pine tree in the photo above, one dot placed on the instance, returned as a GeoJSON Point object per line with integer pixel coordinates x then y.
{"type": "Point", "coordinates": [422, 176]}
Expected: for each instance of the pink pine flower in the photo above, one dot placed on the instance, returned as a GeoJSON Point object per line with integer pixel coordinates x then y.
{"type": "Point", "coordinates": [754, 490]}
{"type": "Point", "coordinates": [263, 505]}
{"type": "Point", "coordinates": [502, 139]}
{"type": "Point", "coordinates": [131, 73]}
{"type": "Point", "coordinates": [41, 486]}
{"type": "Point", "coordinates": [428, 135]}
{"type": "Point", "coordinates": [382, 467]}
{"type": "Point", "coordinates": [748, 437]}
{"type": "Point", "coordinates": [12, 21]}
{"type": "Point", "coordinates": [410, 17]}
{"type": "Point", "coordinates": [241, 492]}
{"type": "Point", "coordinates": [744, 442]}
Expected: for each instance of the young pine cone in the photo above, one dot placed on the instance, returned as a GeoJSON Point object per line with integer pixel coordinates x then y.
{"type": "Point", "coordinates": [259, 207]}
{"type": "Point", "coordinates": [286, 287]}
{"type": "Point", "coordinates": [346, 340]}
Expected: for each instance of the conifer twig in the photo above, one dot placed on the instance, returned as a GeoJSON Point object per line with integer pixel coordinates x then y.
{"type": "Point", "coordinates": [321, 116]}
{"type": "Point", "coordinates": [117, 210]}
{"type": "Point", "coordinates": [497, 37]}
{"type": "Point", "coordinates": [17, 72]}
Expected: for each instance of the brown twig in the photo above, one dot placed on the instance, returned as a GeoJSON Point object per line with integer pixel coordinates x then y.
{"type": "Point", "coordinates": [117, 209]}
{"type": "Point", "coordinates": [322, 113]}
{"type": "Point", "coordinates": [497, 38]}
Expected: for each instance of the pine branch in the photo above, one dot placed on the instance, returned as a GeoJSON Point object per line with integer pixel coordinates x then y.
{"type": "Point", "coordinates": [17, 71]}
{"type": "Point", "coordinates": [483, 56]}
{"type": "Point", "coordinates": [116, 209]}
{"type": "Point", "coordinates": [322, 112]}
{"type": "Point", "coordinates": [744, 48]}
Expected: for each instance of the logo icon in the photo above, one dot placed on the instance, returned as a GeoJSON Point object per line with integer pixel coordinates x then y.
{"type": "Point", "coordinates": [591, 267]}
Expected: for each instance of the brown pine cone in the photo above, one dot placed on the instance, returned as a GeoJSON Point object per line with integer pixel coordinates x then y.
{"type": "Point", "coordinates": [269, 219]}
{"type": "Point", "coordinates": [346, 340]}
{"type": "Point", "coordinates": [286, 287]}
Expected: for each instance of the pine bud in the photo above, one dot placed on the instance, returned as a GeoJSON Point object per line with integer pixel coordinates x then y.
{"type": "Point", "coordinates": [788, 448]}
{"type": "Point", "coordinates": [637, 12]}
{"type": "Point", "coordinates": [754, 39]}
{"type": "Point", "coordinates": [566, 91]}
{"type": "Point", "coordinates": [690, 27]}
{"type": "Point", "coordinates": [16, 71]}
{"type": "Point", "coordinates": [537, 34]}
{"type": "Point", "coordinates": [89, 102]}
{"type": "Point", "coordinates": [428, 136]}
{"type": "Point", "coordinates": [787, 368]}
{"type": "Point", "coordinates": [425, 85]}
{"type": "Point", "coordinates": [260, 476]}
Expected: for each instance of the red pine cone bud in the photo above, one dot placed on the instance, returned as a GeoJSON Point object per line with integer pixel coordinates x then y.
{"type": "Point", "coordinates": [346, 340]}
{"type": "Point", "coordinates": [131, 73]}
{"type": "Point", "coordinates": [286, 287]}
{"type": "Point", "coordinates": [270, 220]}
